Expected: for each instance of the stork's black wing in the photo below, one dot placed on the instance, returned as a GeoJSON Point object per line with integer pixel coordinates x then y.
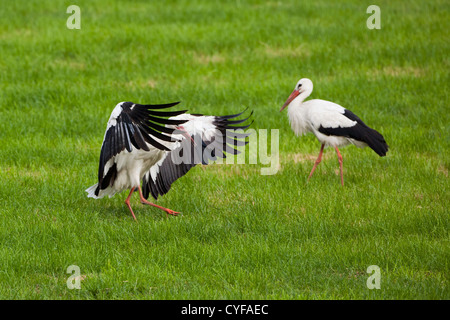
{"type": "Point", "coordinates": [203, 148]}
{"type": "Point", "coordinates": [360, 132]}
{"type": "Point", "coordinates": [134, 125]}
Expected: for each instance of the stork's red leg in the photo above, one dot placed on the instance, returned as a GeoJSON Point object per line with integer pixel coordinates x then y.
{"type": "Point", "coordinates": [317, 161]}
{"type": "Point", "coordinates": [144, 201]}
{"type": "Point", "coordinates": [127, 202]}
{"type": "Point", "coordinates": [340, 165]}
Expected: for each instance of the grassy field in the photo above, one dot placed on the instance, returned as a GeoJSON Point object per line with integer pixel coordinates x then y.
{"type": "Point", "coordinates": [242, 235]}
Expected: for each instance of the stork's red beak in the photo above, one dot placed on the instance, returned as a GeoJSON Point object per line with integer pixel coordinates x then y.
{"type": "Point", "coordinates": [293, 95]}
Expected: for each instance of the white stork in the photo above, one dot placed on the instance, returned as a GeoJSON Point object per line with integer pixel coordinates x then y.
{"type": "Point", "coordinates": [332, 124]}
{"type": "Point", "coordinates": [142, 144]}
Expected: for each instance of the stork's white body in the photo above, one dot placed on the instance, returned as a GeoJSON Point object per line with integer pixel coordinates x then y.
{"type": "Point", "coordinates": [132, 166]}
{"type": "Point", "coordinates": [308, 116]}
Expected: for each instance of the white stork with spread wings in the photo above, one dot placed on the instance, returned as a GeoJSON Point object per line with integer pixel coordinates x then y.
{"type": "Point", "coordinates": [142, 144]}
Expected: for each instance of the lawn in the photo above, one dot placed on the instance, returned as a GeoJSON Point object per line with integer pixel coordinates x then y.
{"type": "Point", "coordinates": [242, 235]}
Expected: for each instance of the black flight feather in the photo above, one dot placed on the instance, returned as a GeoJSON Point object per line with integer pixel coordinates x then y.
{"type": "Point", "coordinates": [203, 153]}
{"type": "Point", "coordinates": [136, 126]}
{"type": "Point", "coordinates": [360, 132]}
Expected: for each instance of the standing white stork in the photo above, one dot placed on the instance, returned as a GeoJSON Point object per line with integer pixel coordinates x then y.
{"type": "Point", "coordinates": [332, 124]}
{"type": "Point", "coordinates": [141, 143]}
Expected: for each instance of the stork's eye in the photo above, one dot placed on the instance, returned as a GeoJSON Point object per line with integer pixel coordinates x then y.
{"type": "Point", "coordinates": [299, 85]}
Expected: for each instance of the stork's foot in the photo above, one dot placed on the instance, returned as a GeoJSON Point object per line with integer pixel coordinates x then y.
{"type": "Point", "coordinates": [144, 201]}
{"type": "Point", "coordinates": [171, 212]}
{"type": "Point", "coordinates": [166, 210]}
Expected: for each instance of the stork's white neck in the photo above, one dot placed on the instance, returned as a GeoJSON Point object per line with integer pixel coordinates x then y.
{"type": "Point", "coordinates": [296, 114]}
{"type": "Point", "coordinates": [299, 99]}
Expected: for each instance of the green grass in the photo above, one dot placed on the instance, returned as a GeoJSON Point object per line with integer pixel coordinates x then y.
{"type": "Point", "coordinates": [242, 235]}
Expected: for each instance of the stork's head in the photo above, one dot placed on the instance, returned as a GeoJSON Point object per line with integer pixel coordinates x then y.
{"type": "Point", "coordinates": [303, 85]}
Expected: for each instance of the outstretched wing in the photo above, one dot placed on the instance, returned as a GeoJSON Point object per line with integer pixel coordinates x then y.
{"type": "Point", "coordinates": [134, 126]}
{"type": "Point", "coordinates": [205, 139]}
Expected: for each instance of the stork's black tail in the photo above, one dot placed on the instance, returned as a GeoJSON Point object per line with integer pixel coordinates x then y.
{"type": "Point", "coordinates": [376, 141]}
{"type": "Point", "coordinates": [363, 132]}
